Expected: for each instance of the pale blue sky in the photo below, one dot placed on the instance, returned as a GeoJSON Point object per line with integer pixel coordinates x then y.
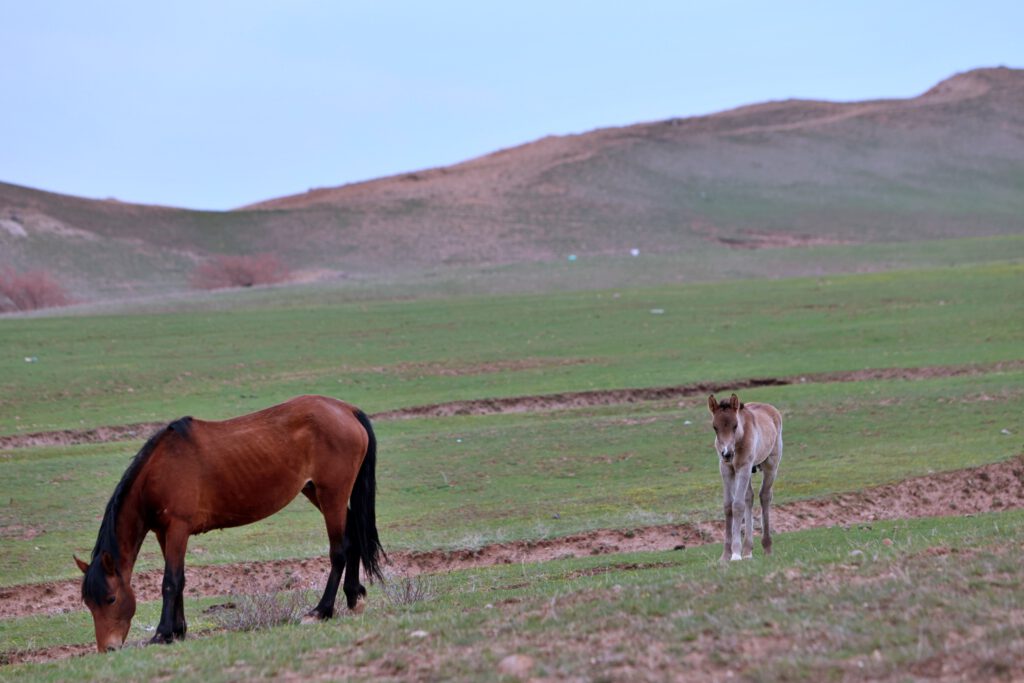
{"type": "Point", "coordinates": [215, 104]}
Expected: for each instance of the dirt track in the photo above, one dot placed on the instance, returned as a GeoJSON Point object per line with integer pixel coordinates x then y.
{"type": "Point", "coordinates": [999, 486]}
{"type": "Point", "coordinates": [546, 402]}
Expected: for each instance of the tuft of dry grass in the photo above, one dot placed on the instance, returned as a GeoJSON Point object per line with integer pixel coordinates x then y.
{"type": "Point", "coordinates": [265, 610]}
{"type": "Point", "coordinates": [402, 591]}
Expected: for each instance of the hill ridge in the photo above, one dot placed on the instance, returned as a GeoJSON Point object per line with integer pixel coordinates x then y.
{"type": "Point", "coordinates": [946, 163]}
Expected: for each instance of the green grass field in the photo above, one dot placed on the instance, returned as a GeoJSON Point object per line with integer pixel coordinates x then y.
{"type": "Point", "coordinates": [943, 587]}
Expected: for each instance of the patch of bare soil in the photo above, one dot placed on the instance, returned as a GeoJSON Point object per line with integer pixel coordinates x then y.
{"type": "Point", "coordinates": [775, 240]}
{"type": "Point", "coordinates": [601, 397]}
{"type": "Point", "coordinates": [998, 486]}
{"type": "Point", "coordinates": [540, 403]}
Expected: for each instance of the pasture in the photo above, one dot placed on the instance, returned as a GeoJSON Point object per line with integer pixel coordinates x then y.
{"type": "Point", "coordinates": [888, 376]}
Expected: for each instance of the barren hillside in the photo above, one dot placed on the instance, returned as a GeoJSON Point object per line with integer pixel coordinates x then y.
{"type": "Point", "coordinates": [949, 162]}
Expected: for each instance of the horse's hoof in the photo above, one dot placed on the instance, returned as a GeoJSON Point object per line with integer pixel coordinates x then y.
{"type": "Point", "coordinates": [748, 556]}
{"type": "Point", "coordinates": [314, 617]}
{"type": "Point", "coordinates": [161, 639]}
{"type": "Point", "coordinates": [359, 606]}
{"type": "Point", "coordinates": [735, 557]}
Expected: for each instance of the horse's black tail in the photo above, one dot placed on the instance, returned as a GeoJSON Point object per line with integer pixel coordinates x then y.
{"type": "Point", "coordinates": [362, 521]}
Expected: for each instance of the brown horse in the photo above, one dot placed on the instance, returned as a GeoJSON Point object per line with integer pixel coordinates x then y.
{"type": "Point", "coordinates": [194, 476]}
{"type": "Point", "coordinates": [748, 437]}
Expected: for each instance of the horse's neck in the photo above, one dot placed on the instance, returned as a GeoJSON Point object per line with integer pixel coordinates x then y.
{"type": "Point", "coordinates": [131, 531]}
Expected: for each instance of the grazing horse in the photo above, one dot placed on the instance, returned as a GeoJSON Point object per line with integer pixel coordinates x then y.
{"type": "Point", "coordinates": [748, 437]}
{"type": "Point", "coordinates": [194, 476]}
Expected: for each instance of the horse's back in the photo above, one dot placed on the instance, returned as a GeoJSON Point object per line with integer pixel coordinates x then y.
{"type": "Point", "coordinates": [235, 471]}
{"type": "Point", "coordinates": [767, 418]}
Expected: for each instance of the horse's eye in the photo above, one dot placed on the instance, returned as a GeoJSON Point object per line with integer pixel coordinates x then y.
{"type": "Point", "coordinates": [110, 600]}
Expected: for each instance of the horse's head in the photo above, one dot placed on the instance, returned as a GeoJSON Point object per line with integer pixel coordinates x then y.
{"type": "Point", "coordinates": [110, 599]}
{"type": "Point", "coordinates": [725, 420]}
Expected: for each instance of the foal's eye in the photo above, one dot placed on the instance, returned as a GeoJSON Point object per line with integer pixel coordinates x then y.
{"type": "Point", "coordinates": [110, 600]}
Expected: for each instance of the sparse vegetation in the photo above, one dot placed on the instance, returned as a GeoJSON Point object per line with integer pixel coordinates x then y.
{"type": "Point", "coordinates": [262, 610]}
{"type": "Point", "coordinates": [224, 271]}
{"type": "Point", "coordinates": [402, 591]}
{"type": "Point", "coordinates": [30, 290]}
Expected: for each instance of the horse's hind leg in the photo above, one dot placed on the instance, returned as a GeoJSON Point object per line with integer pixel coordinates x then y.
{"type": "Point", "coordinates": [355, 592]}
{"type": "Point", "coordinates": [748, 524]}
{"type": "Point", "coordinates": [334, 509]}
{"type": "Point", "coordinates": [771, 468]}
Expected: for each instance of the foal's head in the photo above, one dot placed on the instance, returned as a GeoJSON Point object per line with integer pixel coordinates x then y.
{"type": "Point", "coordinates": [110, 599]}
{"type": "Point", "coordinates": [726, 423]}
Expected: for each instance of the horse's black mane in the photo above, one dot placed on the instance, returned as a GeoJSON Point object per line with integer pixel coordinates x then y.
{"type": "Point", "coordinates": [94, 586]}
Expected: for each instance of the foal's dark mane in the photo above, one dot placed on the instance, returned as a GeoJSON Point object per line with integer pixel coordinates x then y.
{"type": "Point", "coordinates": [94, 585]}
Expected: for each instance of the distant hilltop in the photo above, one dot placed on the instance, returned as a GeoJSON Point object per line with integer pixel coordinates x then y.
{"type": "Point", "coordinates": [947, 163]}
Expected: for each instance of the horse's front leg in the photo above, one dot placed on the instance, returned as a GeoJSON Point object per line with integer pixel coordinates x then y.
{"type": "Point", "coordinates": [741, 483]}
{"type": "Point", "coordinates": [173, 541]}
{"type": "Point", "coordinates": [728, 485]}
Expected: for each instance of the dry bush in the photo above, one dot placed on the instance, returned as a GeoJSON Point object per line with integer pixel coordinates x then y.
{"type": "Point", "coordinates": [401, 591]}
{"type": "Point", "coordinates": [263, 610]}
{"type": "Point", "coordinates": [239, 271]}
{"type": "Point", "coordinates": [30, 290]}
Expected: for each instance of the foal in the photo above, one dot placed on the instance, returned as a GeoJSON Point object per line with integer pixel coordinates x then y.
{"type": "Point", "coordinates": [748, 437]}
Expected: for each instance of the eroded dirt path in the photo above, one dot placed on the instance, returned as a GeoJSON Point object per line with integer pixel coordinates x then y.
{"type": "Point", "coordinates": [542, 403]}
{"type": "Point", "coordinates": [998, 486]}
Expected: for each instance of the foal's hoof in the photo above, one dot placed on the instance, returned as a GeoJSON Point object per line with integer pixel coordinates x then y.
{"type": "Point", "coordinates": [735, 557]}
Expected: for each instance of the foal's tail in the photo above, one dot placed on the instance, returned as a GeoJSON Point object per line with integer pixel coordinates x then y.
{"type": "Point", "coordinates": [362, 520]}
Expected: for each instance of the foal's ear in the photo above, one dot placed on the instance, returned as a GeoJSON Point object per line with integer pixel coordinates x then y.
{"type": "Point", "coordinates": [734, 401]}
{"type": "Point", "coordinates": [81, 565]}
{"type": "Point", "coordinates": [712, 403]}
{"type": "Point", "coordinates": [107, 560]}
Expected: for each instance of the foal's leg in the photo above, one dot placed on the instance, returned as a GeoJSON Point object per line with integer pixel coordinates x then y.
{"type": "Point", "coordinates": [771, 468]}
{"type": "Point", "coordinates": [741, 483]}
{"type": "Point", "coordinates": [173, 542]}
{"type": "Point", "coordinates": [728, 484]}
{"type": "Point", "coordinates": [748, 523]}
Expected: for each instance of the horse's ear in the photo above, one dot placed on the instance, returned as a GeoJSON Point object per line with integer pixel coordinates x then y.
{"type": "Point", "coordinates": [712, 403]}
{"type": "Point", "coordinates": [107, 560]}
{"type": "Point", "coordinates": [734, 401]}
{"type": "Point", "coordinates": [84, 566]}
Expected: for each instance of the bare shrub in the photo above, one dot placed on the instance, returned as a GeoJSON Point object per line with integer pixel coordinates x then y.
{"type": "Point", "coordinates": [263, 610]}
{"type": "Point", "coordinates": [239, 271]}
{"type": "Point", "coordinates": [30, 290]}
{"type": "Point", "coordinates": [401, 591]}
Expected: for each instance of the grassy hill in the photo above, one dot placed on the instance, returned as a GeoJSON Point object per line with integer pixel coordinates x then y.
{"type": "Point", "coordinates": [949, 163]}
